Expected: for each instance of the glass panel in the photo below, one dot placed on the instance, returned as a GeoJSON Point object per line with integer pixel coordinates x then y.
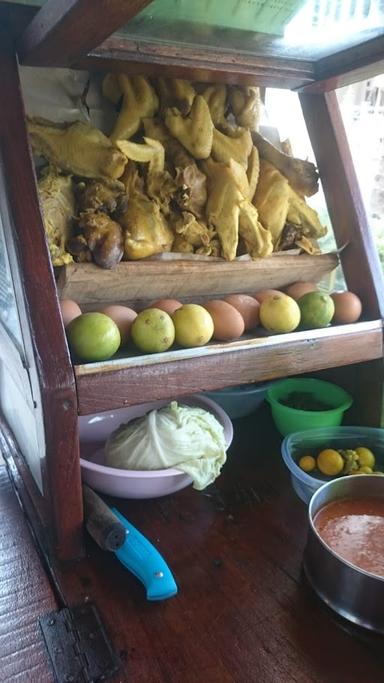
{"type": "Point", "coordinates": [306, 29]}
{"type": "Point", "coordinates": [283, 112]}
{"type": "Point", "coordinates": [9, 316]}
{"type": "Point", "coordinates": [20, 399]}
{"type": "Point", "coordinates": [362, 109]}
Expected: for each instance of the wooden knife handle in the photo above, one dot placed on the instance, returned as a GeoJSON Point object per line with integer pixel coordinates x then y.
{"type": "Point", "coordinates": [101, 523]}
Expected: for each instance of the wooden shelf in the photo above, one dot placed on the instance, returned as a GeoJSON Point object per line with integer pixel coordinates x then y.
{"type": "Point", "coordinates": [129, 381]}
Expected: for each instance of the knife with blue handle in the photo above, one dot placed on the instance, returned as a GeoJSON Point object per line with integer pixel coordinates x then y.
{"type": "Point", "coordinates": [144, 561]}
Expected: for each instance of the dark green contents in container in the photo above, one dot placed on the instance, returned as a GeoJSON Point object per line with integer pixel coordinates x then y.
{"type": "Point", "coordinates": [304, 401]}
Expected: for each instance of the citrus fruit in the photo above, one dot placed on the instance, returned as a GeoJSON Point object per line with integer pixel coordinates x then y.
{"type": "Point", "coordinates": [193, 325]}
{"type": "Point", "coordinates": [330, 462]}
{"type": "Point", "coordinates": [366, 457]}
{"type": "Point", "coordinates": [307, 463]}
{"type": "Point", "coordinates": [93, 336]}
{"type": "Point", "coordinates": [153, 331]}
{"type": "Point", "coordinates": [279, 313]}
{"type": "Point", "coordinates": [364, 470]}
{"type": "Point", "coordinates": [317, 309]}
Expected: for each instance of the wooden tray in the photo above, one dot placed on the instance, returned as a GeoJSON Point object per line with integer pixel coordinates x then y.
{"type": "Point", "coordinates": [188, 280]}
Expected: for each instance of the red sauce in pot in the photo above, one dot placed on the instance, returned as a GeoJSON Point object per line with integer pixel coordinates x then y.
{"type": "Point", "coordinates": [354, 529]}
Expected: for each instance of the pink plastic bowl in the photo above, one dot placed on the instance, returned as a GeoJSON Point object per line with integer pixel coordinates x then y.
{"type": "Point", "coordinates": [94, 431]}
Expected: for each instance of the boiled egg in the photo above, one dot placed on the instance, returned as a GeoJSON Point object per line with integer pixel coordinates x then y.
{"type": "Point", "coordinates": [69, 311]}
{"type": "Point", "coordinates": [248, 308]}
{"type": "Point", "coordinates": [265, 293]}
{"type": "Point", "coordinates": [348, 307]}
{"type": "Point", "coordinates": [123, 317]}
{"type": "Point", "coordinates": [227, 321]}
{"type": "Point", "coordinates": [167, 305]}
{"type": "Point", "coordinates": [298, 289]}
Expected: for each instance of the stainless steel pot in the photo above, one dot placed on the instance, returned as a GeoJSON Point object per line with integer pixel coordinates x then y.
{"type": "Point", "coordinates": [353, 593]}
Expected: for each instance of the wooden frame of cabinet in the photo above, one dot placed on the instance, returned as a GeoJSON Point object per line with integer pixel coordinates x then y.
{"type": "Point", "coordinates": [52, 38]}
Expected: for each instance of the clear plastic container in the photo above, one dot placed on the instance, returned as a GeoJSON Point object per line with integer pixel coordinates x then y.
{"type": "Point", "coordinates": [313, 440]}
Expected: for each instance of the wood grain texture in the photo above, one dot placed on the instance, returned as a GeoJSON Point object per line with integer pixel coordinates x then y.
{"type": "Point", "coordinates": [64, 30]}
{"type": "Point", "coordinates": [243, 613]}
{"type": "Point", "coordinates": [61, 471]}
{"type": "Point", "coordinates": [25, 595]}
{"type": "Point", "coordinates": [140, 282]}
{"type": "Point", "coordinates": [116, 384]}
{"type": "Point", "coordinates": [359, 259]}
{"type": "Point", "coordinates": [348, 66]}
{"type": "Point", "coordinates": [197, 64]}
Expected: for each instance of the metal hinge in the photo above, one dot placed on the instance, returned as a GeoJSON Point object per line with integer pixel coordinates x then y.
{"type": "Point", "coordinates": [78, 646]}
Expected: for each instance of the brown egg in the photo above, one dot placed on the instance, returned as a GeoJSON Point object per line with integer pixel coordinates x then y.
{"type": "Point", "coordinates": [167, 305]}
{"type": "Point", "coordinates": [298, 289]}
{"type": "Point", "coordinates": [227, 321]}
{"type": "Point", "coordinates": [69, 311]}
{"type": "Point", "coordinates": [264, 294]}
{"type": "Point", "coordinates": [248, 308]}
{"type": "Point", "coordinates": [347, 307]}
{"type": "Point", "coordinates": [123, 317]}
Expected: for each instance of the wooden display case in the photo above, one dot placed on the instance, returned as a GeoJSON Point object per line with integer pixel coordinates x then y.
{"type": "Point", "coordinates": [74, 34]}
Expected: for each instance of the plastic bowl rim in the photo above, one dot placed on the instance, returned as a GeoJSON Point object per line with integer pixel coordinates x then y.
{"type": "Point", "coordinates": [343, 406]}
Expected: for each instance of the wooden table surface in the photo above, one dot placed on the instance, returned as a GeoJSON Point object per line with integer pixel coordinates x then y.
{"type": "Point", "coordinates": [244, 612]}
{"type": "Point", "coordinates": [25, 595]}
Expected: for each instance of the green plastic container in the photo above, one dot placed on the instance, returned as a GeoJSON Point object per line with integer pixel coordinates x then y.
{"type": "Point", "coordinates": [289, 420]}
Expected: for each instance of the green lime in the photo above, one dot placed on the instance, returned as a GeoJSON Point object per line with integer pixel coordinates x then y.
{"type": "Point", "coordinates": [317, 310]}
{"type": "Point", "coordinates": [93, 336]}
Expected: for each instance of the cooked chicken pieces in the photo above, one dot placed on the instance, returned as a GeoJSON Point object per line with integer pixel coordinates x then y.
{"type": "Point", "coordinates": [271, 199]}
{"type": "Point", "coordinates": [145, 229]}
{"type": "Point", "coordinates": [176, 92]}
{"type": "Point", "coordinates": [77, 148]}
{"type": "Point", "coordinates": [193, 131]}
{"type": "Point", "coordinates": [97, 195]}
{"type": "Point", "coordinates": [302, 175]}
{"type": "Point", "coordinates": [245, 104]}
{"type": "Point", "coordinates": [104, 238]}
{"type": "Point", "coordinates": [139, 100]}
{"type": "Point", "coordinates": [237, 146]}
{"type": "Point", "coordinates": [57, 203]}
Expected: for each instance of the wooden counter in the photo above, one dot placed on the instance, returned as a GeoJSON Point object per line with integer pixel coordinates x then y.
{"type": "Point", "coordinates": [244, 613]}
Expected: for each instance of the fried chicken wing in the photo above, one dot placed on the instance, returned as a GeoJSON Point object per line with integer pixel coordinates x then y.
{"type": "Point", "coordinates": [111, 89]}
{"type": "Point", "coordinates": [258, 240]}
{"type": "Point", "coordinates": [77, 148]}
{"type": "Point", "coordinates": [57, 202]}
{"type": "Point", "coordinates": [104, 238]}
{"type": "Point", "coordinates": [176, 92]}
{"type": "Point", "coordinates": [245, 105]}
{"type": "Point", "coordinates": [223, 206]}
{"type": "Point", "coordinates": [237, 146]}
{"type": "Point", "coordinates": [175, 154]}
{"type": "Point", "coordinates": [193, 131]}
{"type": "Point", "coordinates": [302, 175]}
{"type": "Point", "coordinates": [272, 199]}
{"type": "Point", "coordinates": [216, 98]}
{"type": "Point", "coordinates": [299, 213]}
{"type": "Point", "coordinates": [139, 100]}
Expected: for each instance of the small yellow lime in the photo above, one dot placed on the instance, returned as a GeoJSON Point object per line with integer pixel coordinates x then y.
{"type": "Point", "coordinates": [307, 463]}
{"type": "Point", "coordinates": [366, 457]}
{"type": "Point", "coordinates": [364, 470]}
{"type": "Point", "coordinates": [330, 462]}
